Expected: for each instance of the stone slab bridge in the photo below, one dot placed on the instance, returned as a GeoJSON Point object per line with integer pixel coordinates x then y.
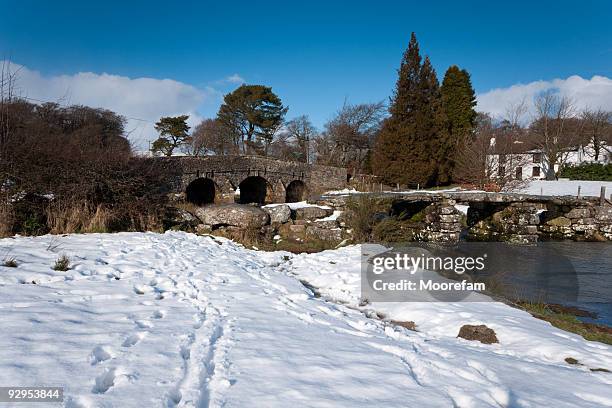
{"type": "Point", "coordinates": [250, 179]}
{"type": "Point", "coordinates": [518, 218]}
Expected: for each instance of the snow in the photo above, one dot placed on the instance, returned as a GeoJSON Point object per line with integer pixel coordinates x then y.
{"type": "Point", "coordinates": [462, 208]}
{"type": "Point", "coordinates": [332, 217]}
{"type": "Point", "coordinates": [176, 319]}
{"type": "Point", "coordinates": [567, 187]}
{"type": "Point", "coordinates": [300, 204]}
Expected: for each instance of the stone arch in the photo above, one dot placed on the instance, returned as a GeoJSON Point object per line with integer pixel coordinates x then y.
{"type": "Point", "coordinates": [254, 189]}
{"type": "Point", "coordinates": [201, 191]}
{"type": "Point", "coordinates": [295, 191]}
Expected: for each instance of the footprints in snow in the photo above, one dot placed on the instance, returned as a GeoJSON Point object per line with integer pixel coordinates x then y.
{"type": "Point", "coordinates": [111, 376]}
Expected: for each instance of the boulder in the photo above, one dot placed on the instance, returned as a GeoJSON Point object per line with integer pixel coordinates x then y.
{"type": "Point", "coordinates": [279, 214]}
{"type": "Point", "coordinates": [579, 213]}
{"type": "Point", "coordinates": [323, 234]}
{"type": "Point", "coordinates": [312, 213]}
{"type": "Point", "coordinates": [233, 215]}
{"type": "Point", "coordinates": [327, 224]}
{"type": "Point", "coordinates": [179, 219]}
{"type": "Point", "coordinates": [560, 222]}
{"type": "Point", "coordinates": [479, 333]}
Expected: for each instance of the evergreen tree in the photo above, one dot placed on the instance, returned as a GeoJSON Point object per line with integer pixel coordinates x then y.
{"type": "Point", "coordinates": [458, 102]}
{"type": "Point", "coordinates": [408, 147]}
{"type": "Point", "coordinates": [173, 133]}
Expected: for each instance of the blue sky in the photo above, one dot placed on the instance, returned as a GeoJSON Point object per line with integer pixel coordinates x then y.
{"type": "Point", "coordinates": [314, 54]}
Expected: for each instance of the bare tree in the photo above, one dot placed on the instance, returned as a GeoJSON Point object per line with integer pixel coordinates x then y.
{"type": "Point", "coordinates": [302, 132]}
{"type": "Point", "coordinates": [597, 130]}
{"type": "Point", "coordinates": [349, 135]}
{"type": "Point", "coordinates": [552, 129]}
{"type": "Point", "coordinates": [210, 137]}
{"type": "Point", "coordinates": [489, 158]}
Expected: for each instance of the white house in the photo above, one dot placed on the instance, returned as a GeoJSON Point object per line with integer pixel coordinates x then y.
{"type": "Point", "coordinates": [520, 160]}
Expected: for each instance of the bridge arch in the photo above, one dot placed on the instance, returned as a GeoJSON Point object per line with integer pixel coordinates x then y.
{"type": "Point", "coordinates": [254, 189]}
{"type": "Point", "coordinates": [201, 191]}
{"type": "Point", "coordinates": [295, 191]}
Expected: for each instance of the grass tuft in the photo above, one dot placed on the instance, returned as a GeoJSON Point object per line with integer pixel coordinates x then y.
{"type": "Point", "coordinates": [62, 264]}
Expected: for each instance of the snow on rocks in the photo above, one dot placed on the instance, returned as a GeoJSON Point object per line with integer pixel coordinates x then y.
{"type": "Point", "coordinates": [220, 325]}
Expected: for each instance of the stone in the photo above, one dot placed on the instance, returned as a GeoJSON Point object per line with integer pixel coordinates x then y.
{"type": "Point", "coordinates": [479, 333]}
{"type": "Point", "coordinates": [203, 229]}
{"type": "Point", "coordinates": [312, 213]}
{"type": "Point", "coordinates": [279, 214]}
{"type": "Point", "coordinates": [450, 218]}
{"type": "Point", "coordinates": [234, 215]}
{"type": "Point", "coordinates": [179, 219]}
{"type": "Point", "coordinates": [327, 224]}
{"type": "Point", "coordinates": [522, 239]}
{"type": "Point", "coordinates": [560, 222]}
{"type": "Point", "coordinates": [606, 228]}
{"type": "Point", "coordinates": [324, 234]}
{"type": "Point", "coordinates": [448, 210]}
{"type": "Point", "coordinates": [579, 213]}
{"type": "Point", "coordinates": [603, 213]}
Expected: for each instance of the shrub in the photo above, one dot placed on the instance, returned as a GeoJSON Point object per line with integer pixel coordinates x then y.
{"type": "Point", "coordinates": [62, 264]}
{"type": "Point", "coordinates": [392, 230]}
{"type": "Point", "coordinates": [588, 171]}
{"type": "Point", "coordinates": [361, 216]}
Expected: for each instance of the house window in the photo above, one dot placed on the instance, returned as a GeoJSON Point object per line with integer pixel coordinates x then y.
{"type": "Point", "coordinates": [537, 157]}
{"type": "Point", "coordinates": [536, 172]}
{"type": "Point", "coordinates": [519, 173]}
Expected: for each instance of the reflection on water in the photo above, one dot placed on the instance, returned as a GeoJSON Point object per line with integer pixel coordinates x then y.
{"type": "Point", "coordinates": [568, 273]}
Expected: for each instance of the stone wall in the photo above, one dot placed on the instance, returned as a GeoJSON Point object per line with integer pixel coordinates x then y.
{"type": "Point", "coordinates": [585, 223]}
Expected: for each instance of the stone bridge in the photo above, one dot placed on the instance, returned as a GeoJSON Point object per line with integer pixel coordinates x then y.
{"type": "Point", "coordinates": [518, 218]}
{"type": "Point", "coordinates": [251, 179]}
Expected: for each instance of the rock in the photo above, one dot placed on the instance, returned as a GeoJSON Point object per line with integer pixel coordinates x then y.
{"type": "Point", "coordinates": [312, 213]}
{"type": "Point", "coordinates": [410, 325]}
{"type": "Point", "coordinates": [327, 224]}
{"type": "Point", "coordinates": [479, 333]}
{"type": "Point", "coordinates": [579, 213]}
{"type": "Point", "coordinates": [450, 218]}
{"type": "Point", "coordinates": [279, 214]}
{"type": "Point", "coordinates": [179, 219]}
{"type": "Point", "coordinates": [560, 222]}
{"type": "Point", "coordinates": [603, 214]}
{"type": "Point", "coordinates": [234, 215]}
{"type": "Point", "coordinates": [203, 229]}
{"type": "Point", "coordinates": [324, 234]}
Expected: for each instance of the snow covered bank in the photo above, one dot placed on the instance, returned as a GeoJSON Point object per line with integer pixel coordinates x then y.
{"type": "Point", "coordinates": [567, 187]}
{"type": "Point", "coordinates": [182, 320]}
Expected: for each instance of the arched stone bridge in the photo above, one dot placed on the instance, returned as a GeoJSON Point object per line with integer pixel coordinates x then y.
{"type": "Point", "coordinates": [251, 179]}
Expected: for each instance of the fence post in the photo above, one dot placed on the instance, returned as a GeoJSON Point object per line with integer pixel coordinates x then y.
{"type": "Point", "coordinates": [602, 196]}
{"type": "Point", "coordinates": [578, 196]}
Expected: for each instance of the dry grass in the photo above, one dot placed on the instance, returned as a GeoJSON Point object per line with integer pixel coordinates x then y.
{"type": "Point", "coordinates": [62, 264]}
{"type": "Point", "coordinates": [82, 217]}
{"type": "Point", "coordinates": [7, 219]}
{"type": "Point", "coordinates": [568, 322]}
{"type": "Point", "coordinates": [65, 218]}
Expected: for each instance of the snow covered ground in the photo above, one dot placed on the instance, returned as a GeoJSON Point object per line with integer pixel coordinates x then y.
{"type": "Point", "coordinates": [149, 320]}
{"type": "Point", "coordinates": [568, 187]}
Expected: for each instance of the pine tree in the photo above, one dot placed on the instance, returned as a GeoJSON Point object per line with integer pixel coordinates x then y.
{"type": "Point", "coordinates": [408, 146]}
{"type": "Point", "coordinates": [458, 101]}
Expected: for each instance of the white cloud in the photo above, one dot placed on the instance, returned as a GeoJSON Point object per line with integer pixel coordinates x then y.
{"type": "Point", "coordinates": [140, 98]}
{"type": "Point", "coordinates": [235, 79]}
{"type": "Point", "coordinates": [593, 93]}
